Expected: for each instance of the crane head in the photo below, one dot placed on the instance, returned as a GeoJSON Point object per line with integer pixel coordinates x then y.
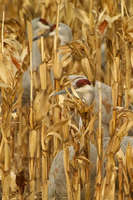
{"type": "Point", "coordinates": [64, 31]}
{"type": "Point", "coordinates": [83, 87]}
{"type": "Point", "coordinates": [39, 24]}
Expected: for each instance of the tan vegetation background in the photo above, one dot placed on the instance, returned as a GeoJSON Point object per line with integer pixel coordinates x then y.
{"type": "Point", "coordinates": [32, 135]}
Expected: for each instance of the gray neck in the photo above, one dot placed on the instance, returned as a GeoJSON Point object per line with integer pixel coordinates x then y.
{"type": "Point", "coordinates": [36, 55]}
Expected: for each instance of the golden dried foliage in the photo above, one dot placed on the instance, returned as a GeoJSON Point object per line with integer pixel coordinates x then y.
{"type": "Point", "coordinates": [31, 136]}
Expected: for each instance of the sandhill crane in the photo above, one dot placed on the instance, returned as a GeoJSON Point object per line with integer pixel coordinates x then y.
{"type": "Point", "coordinates": [86, 91]}
{"type": "Point", "coordinates": [89, 93]}
{"type": "Point", "coordinates": [38, 24]}
{"type": "Point", "coordinates": [64, 34]}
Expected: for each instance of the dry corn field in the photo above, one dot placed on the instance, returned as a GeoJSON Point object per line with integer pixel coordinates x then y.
{"type": "Point", "coordinates": [66, 100]}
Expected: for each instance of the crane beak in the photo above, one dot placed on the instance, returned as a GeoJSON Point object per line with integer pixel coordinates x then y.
{"type": "Point", "coordinates": [46, 34]}
{"type": "Point", "coordinates": [58, 93]}
{"type": "Point", "coordinates": [61, 92]}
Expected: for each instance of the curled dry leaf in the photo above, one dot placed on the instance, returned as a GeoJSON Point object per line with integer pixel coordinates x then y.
{"type": "Point", "coordinates": [11, 60]}
{"type": "Point", "coordinates": [57, 126]}
{"type": "Point", "coordinates": [53, 134]}
{"type": "Point", "coordinates": [87, 68]}
{"type": "Point", "coordinates": [120, 155]}
{"type": "Point", "coordinates": [66, 59]}
{"type": "Point", "coordinates": [7, 74]}
{"type": "Point", "coordinates": [79, 49]}
{"type": "Point", "coordinates": [83, 159]}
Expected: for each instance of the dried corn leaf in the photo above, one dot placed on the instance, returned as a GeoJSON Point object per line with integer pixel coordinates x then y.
{"type": "Point", "coordinates": [32, 143]}
{"type": "Point", "coordinates": [82, 16]}
{"type": "Point", "coordinates": [40, 106]}
{"type": "Point", "coordinates": [43, 76]}
{"type": "Point", "coordinates": [109, 190]}
{"type": "Point", "coordinates": [57, 126]}
{"type": "Point", "coordinates": [69, 8]}
{"type": "Point", "coordinates": [7, 74]}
